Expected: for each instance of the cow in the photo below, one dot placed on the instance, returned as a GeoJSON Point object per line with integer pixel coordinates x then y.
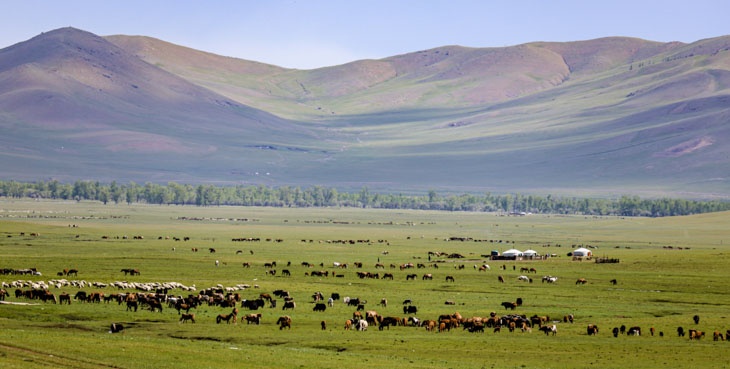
{"type": "Point", "coordinates": [410, 309]}
{"type": "Point", "coordinates": [615, 332]}
{"type": "Point", "coordinates": [509, 305]}
{"type": "Point", "coordinates": [592, 329]}
{"type": "Point", "coordinates": [680, 332]}
{"type": "Point", "coordinates": [695, 334]}
{"type": "Point", "coordinates": [319, 307]}
{"type": "Point", "coordinates": [116, 328]}
{"type": "Point", "coordinates": [717, 336]}
{"type": "Point", "coordinates": [549, 329]}
{"type": "Point", "coordinates": [289, 305]}
{"type": "Point", "coordinates": [388, 321]}
{"type": "Point", "coordinates": [284, 322]}
{"type": "Point", "coordinates": [185, 317]}
{"type": "Point", "coordinates": [634, 331]}
{"type": "Point", "coordinates": [371, 316]}
{"type": "Point", "coordinates": [696, 318]}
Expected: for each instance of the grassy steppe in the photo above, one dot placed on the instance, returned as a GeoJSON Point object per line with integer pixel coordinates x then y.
{"type": "Point", "coordinates": [657, 287]}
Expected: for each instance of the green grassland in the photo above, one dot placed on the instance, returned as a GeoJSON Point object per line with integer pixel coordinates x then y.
{"type": "Point", "coordinates": [657, 287]}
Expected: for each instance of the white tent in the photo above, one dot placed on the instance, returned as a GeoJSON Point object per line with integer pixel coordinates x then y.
{"type": "Point", "coordinates": [582, 252]}
{"type": "Point", "coordinates": [512, 252]}
{"type": "Point", "coordinates": [530, 253]}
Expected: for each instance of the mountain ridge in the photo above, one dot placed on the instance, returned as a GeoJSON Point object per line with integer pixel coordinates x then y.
{"type": "Point", "coordinates": [602, 115]}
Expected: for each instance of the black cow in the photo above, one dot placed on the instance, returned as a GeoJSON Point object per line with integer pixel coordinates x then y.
{"type": "Point", "coordinates": [335, 296]}
{"type": "Point", "coordinates": [116, 328]}
{"type": "Point", "coordinates": [289, 305]}
{"type": "Point", "coordinates": [410, 309]}
{"type": "Point", "coordinates": [253, 304]}
{"type": "Point", "coordinates": [320, 307]}
{"type": "Point", "coordinates": [680, 331]}
{"type": "Point", "coordinates": [615, 332]}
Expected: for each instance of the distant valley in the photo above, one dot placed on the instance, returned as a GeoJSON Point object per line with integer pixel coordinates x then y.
{"type": "Point", "coordinates": [598, 117]}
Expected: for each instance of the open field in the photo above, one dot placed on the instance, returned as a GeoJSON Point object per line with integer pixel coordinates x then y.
{"type": "Point", "coordinates": [657, 287]}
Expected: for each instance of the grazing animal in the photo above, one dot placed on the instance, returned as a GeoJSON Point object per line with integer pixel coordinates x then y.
{"type": "Point", "coordinates": [411, 277]}
{"type": "Point", "coordinates": [592, 329]}
{"type": "Point", "coordinates": [615, 332]}
{"type": "Point", "coordinates": [284, 322]}
{"type": "Point", "coordinates": [449, 278]}
{"type": "Point", "coordinates": [613, 282]}
{"type": "Point", "coordinates": [289, 305]}
{"type": "Point", "coordinates": [549, 329]}
{"type": "Point", "coordinates": [185, 317]}
{"type": "Point", "coordinates": [348, 324]}
{"type": "Point", "coordinates": [581, 281]}
{"type": "Point", "coordinates": [523, 278]}
{"type": "Point", "coordinates": [634, 331]}
{"type": "Point", "coordinates": [695, 335]}
{"type": "Point", "coordinates": [651, 330]}
{"type": "Point", "coordinates": [331, 302]}
{"type": "Point", "coordinates": [324, 325]}
{"type": "Point", "coordinates": [361, 325]}
{"type": "Point", "coordinates": [680, 332]}
{"type": "Point", "coordinates": [254, 318]}
{"type": "Point", "coordinates": [64, 297]}
{"type": "Point", "coordinates": [509, 305]}
{"type": "Point", "coordinates": [319, 307]}
{"type": "Point", "coordinates": [717, 336]}
{"type": "Point", "coordinates": [622, 329]}
{"type": "Point", "coordinates": [384, 302]}
{"type": "Point", "coordinates": [227, 317]}
{"type": "Point", "coordinates": [410, 309]}
{"type": "Point", "coordinates": [696, 318]}
{"type": "Point", "coordinates": [500, 279]}
{"type": "Point", "coordinates": [428, 276]}
{"type": "Point", "coordinates": [116, 328]}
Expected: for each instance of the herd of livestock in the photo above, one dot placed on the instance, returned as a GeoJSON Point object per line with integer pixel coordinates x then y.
{"type": "Point", "coordinates": [155, 296]}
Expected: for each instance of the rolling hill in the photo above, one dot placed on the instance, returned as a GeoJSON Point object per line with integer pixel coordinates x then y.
{"type": "Point", "coordinates": [597, 117]}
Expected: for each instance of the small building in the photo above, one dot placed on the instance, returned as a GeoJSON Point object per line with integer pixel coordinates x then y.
{"type": "Point", "coordinates": [583, 252]}
{"type": "Point", "coordinates": [530, 253]}
{"type": "Point", "coordinates": [512, 252]}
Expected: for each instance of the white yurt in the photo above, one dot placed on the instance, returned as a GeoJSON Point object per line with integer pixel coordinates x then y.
{"type": "Point", "coordinates": [582, 252]}
{"type": "Point", "coordinates": [530, 253]}
{"type": "Point", "coordinates": [512, 252]}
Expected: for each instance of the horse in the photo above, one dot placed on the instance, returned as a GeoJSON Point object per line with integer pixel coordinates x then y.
{"type": "Point", "coordinates": [449, 278]}
{"type": "Point", "coordinates": [284, 321]}
{"type": "Point", "coordinates": [500, 279]}
{"type": "Point", "coordinates": [581, 281]}
{"type": "Point", "coordinates": [348, 324]}
{"type": "Point", "coordinates": [227, 317]}
{"type": "Point", "coordinates": [428, 276]}
{"type": "Point", "coordinates": [549, 329]}
{"type": "Point", "coordinates": [64, 297]}
{"type": "Point", "coordinates": [185, 317]}
{"type": "Point", "coordinates": [361, 325]}
{"type": "Point", "coordinates": [254, 318]}
{"type": "Point", "coordinates": [523, 278]}
{"type": "Point", "coordinates": [592, 329]}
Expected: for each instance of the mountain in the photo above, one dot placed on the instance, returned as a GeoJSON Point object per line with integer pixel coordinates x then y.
{"type": "Point", "coordinates": [76, 105]}
{"type": "Point", "coordinates": [596, 117]}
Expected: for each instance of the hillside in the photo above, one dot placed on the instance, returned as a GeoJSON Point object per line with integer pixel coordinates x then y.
{"type": "Point", "coordinates": [606, 116]}
{"type": "Point", "coordinates": [75, 105]}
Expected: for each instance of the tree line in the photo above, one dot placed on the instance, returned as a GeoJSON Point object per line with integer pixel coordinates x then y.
{"type": "Point", "coordinates": [318, 196]}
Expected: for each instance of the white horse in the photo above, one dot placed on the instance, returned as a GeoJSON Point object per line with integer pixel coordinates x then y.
{"type": "Point", "coordinates": [523, 278]}
{"type": "Point", "coordinates": [331, 302]}
{"type": "Point", "coordinates": [362, 325]}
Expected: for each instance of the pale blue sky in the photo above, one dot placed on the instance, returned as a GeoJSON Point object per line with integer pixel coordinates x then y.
{"type": "Point", "coordinates": [308, 34]}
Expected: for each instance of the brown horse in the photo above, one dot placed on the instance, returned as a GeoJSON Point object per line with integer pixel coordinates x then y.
{"type": "Point", "coordinates": [284, 321]}
{"type": "Point", "coordinates": [227, 317]}
{"type": "Point", "coordinates": [185, 317]}
{"type": "Point", "coordinates": [254, 318]}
